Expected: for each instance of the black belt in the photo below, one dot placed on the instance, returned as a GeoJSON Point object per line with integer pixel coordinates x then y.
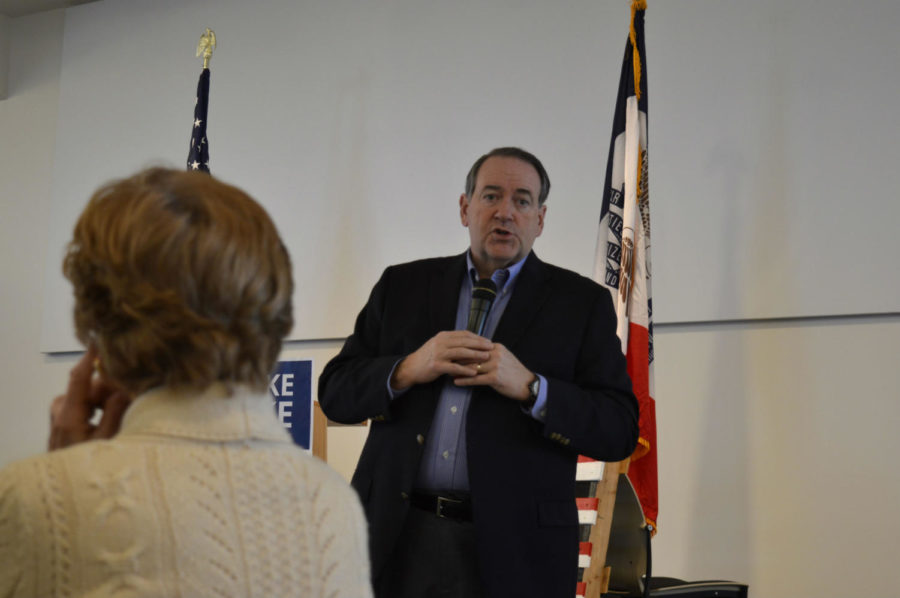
{"type": "Point", "coordinates": [447, 507]}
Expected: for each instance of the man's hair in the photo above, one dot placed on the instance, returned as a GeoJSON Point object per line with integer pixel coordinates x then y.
{"type": "Point", "coordinates": [181, 281]}
{"type": "Point", "coordinates": [510, 152]}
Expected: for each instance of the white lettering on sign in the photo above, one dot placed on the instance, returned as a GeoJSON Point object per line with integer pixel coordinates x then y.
{"type": "Point", "coordinates": [284, 412]}
{"type": "Point", "coordinates": [287, 385]}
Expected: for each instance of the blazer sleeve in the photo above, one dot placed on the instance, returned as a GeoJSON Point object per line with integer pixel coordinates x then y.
{"type": "Point", "coordinates": [353, 385]}
{"type": "Point", "coordinates": [595, 413]}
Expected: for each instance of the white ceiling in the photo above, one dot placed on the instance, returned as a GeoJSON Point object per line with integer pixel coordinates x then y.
{"type": "Point", "coordinates": [18, 8]}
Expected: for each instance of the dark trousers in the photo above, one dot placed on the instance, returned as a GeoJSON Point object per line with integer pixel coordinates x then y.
{"type": "Point", "coordinates": [434, 558]}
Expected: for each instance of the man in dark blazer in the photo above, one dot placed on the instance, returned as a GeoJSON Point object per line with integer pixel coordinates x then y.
{"type": "Point", "coordinates": [468, 473]}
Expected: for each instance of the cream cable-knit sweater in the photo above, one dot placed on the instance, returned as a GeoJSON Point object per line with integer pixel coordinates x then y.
{"type": "Point", "coordinates": [196, 496]}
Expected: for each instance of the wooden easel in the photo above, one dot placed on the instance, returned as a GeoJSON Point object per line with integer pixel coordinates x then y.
{"type": "Point", "coordinates": [596, 576]}
{"type": "Point", "coordinates": [320, 433]}
{"type": "Point", "coordinates": [321, 423]}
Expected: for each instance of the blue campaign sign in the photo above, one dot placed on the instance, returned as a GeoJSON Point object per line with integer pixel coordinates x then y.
{"type": "Point", "coordinates": [290, 385]}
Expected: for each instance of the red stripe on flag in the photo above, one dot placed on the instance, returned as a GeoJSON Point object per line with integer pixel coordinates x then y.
{"type": "Point", "coordinates": [642, 471]}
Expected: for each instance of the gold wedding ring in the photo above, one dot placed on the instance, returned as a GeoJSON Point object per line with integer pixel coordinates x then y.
{"type": "Point", "coordinates": [478, 368]}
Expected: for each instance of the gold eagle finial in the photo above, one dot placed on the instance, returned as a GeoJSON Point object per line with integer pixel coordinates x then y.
{"type": "Point", "coordinates": [206, 46]}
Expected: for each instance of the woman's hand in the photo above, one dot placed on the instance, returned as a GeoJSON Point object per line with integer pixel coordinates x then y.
{"type": "Point", "coordinates": [71, 414]}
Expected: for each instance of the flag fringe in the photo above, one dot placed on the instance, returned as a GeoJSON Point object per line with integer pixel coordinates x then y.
{"type": "Point", "coordinates": [636, 5]}
{"type": "Point", "coordinates": [642, 448]}
{"type": "Point", "coordinates": [652, 525]}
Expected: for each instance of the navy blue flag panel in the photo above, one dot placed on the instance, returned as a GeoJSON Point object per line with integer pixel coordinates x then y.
{"type": "Point", "coordinates": [198, 157]}
{"type": "Point", "coordinates": [612, 207]}
{"type": "Point", "coordinates": [290, 387]}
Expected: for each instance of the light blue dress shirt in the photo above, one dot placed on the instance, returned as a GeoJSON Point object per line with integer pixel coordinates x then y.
{"type": "Point", "coordinates": [444, 466]}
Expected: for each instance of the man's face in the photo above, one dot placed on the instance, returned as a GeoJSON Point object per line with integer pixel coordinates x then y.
{"type": "Point", "coordinates": [503, 215]}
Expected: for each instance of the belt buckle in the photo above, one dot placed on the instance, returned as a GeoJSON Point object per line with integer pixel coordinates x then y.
{"type": "Point", "coordinates": [443, 500]}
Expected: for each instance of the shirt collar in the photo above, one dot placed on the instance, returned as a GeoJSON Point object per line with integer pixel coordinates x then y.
{"type": "Point", "coordinates": [212, 415]}
{"type": "Point", "coordinates": [504, 278]}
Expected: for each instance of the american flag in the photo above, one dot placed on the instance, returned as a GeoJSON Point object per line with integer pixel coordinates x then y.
{"type": "Point", "coordinates": [198, 157]}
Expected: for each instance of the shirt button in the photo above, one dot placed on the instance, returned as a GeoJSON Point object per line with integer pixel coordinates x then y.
{"type": "Point", "coordinates": [404, 496]}
{"type": "Point", "coordinates": [453, 409]}
{"type": "Point", "coordinates": [420, 439]}
{"type": "Point", "coordinates": [446, 454]}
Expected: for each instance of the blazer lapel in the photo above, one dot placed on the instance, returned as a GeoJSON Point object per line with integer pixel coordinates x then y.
{"type": "Point", "coordinates": [444, 291]}
{"type": "Point", "coordinates": [531, 292]}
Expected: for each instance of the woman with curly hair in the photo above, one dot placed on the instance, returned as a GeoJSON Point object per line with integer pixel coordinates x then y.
{"type": "Point", "coordinates": [187, 484]}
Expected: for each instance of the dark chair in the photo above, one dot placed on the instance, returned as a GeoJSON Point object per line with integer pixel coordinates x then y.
{"type": "Point", "coordinates": [629, 558]}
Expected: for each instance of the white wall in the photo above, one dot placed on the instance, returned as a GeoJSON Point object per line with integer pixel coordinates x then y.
{"type": "Point", "coordinates": [4, 55]}
{"type": "Point", "coordinates": [778, 440]}
{"type": "Point", "coordinates": [27, 136]}
{"type": "Point", "coordinates": [348, 118]}
{"type": "Point", "coordinates": [777, 455]}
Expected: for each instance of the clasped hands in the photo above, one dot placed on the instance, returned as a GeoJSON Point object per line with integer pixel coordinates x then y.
{"type": "Point", "coordinates": [72, 413]}
{"type": "Point", "coordinates": [471, 360]}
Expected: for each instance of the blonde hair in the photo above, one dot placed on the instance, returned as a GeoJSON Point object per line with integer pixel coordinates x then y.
{"type": "Point", "coordinates": [181, 280]}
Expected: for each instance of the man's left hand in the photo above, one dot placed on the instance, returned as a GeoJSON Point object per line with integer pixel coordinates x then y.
{"type": "Point", "coordinates": [503, 372]}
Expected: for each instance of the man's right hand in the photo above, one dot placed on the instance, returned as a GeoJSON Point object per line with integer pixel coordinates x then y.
{"type": "Point", "coordinates": [455, 353]}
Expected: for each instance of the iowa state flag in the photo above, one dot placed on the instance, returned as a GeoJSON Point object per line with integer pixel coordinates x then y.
{"type": "Point", "coordinates": [622, 261]}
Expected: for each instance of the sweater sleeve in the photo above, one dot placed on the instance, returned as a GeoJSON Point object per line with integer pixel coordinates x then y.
{"type": "Point", "coordinates": [342, 541]}
{"type": "Point", "coordinates": [12, 537]}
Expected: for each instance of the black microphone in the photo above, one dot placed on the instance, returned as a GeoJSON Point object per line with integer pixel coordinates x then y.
{"type": "Point", "coordinates": [483, 295]}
